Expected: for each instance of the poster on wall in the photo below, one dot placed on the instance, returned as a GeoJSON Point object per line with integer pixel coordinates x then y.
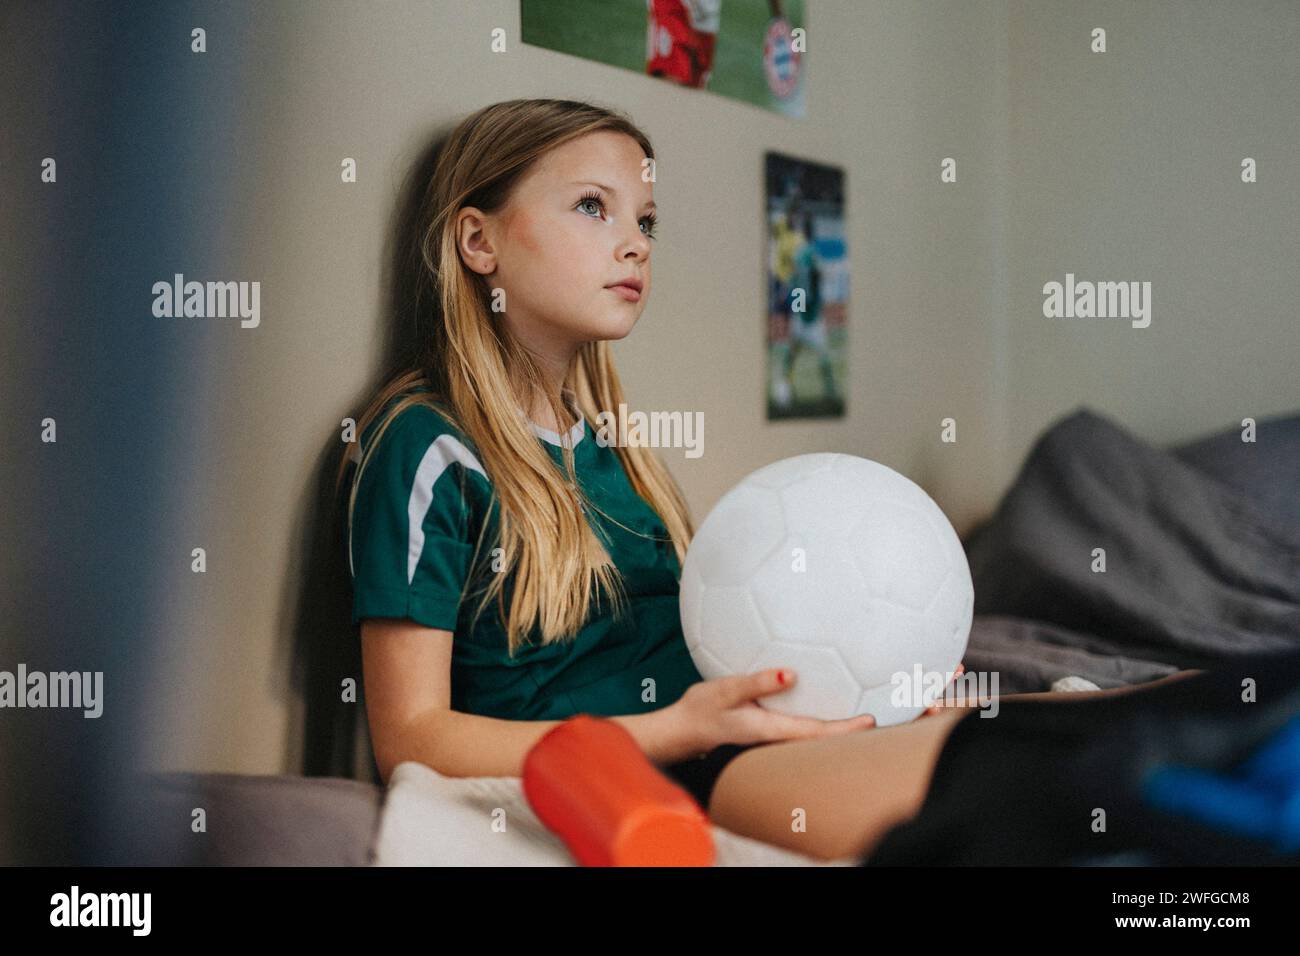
{"type": "Point", "coordinates": [807, 289]}
{"type": "Point", "coordinates": [750, 50]}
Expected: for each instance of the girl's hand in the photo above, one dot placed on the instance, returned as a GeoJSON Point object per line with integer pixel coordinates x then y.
{"type": "Point", "coordinates": [724, 711]}
{"type": "Point", "coordinates": [935, 708]}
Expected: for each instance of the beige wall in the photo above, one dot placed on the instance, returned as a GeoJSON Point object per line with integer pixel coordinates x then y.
{"type": "Point", "coordinates": [1127, 166]}
{"type": "Point", "coordinates": [1116, 167]}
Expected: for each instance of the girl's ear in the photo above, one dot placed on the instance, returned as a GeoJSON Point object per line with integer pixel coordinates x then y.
{"type": "Point", "coordinates": [473, 241]}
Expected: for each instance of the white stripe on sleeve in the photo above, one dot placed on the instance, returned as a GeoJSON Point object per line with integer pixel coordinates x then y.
{"type": "Point", "coordinates": [444, 450]}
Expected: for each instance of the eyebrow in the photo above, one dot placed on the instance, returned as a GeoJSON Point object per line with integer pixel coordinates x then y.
{"type": "Point", "coordinates": [609, 189]}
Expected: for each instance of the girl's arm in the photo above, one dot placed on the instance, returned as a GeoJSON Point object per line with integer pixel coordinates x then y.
{"type": "Point", "coordinates": [407, 671]}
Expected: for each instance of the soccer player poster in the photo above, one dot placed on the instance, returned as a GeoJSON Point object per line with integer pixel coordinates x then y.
{"type": "Point", "coordinates": [751, 50]}
{"type": "Point", "coordinates": [807, 289]}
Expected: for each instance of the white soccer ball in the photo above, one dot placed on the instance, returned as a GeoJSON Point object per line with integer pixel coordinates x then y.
{"type": "Point", "coordinates": [839, 568]}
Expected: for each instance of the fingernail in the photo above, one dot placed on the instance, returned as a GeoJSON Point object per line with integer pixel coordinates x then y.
{"type": "Point", "coordinates": [780, 676]}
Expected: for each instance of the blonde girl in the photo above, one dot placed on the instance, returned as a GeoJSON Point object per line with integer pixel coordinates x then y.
{"type": "Point", "coordinates": [511, 570]}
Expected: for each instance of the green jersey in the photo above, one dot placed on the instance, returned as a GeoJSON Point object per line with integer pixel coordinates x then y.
{"type": "Point", "coordinates": [421, 503]}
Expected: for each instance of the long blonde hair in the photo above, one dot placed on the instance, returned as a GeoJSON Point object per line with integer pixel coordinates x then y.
{"type": "Point", "coordinates": [476, 373]}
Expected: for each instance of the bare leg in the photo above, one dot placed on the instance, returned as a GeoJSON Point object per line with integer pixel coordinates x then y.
{"type": "Point", "coordinates": [832, 797]}
{"type": "Point", "coordinates": [836, 797]}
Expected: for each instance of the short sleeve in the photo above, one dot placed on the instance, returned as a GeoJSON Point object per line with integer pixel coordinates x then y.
{"type": "Point", "coordinates": [410, 540]}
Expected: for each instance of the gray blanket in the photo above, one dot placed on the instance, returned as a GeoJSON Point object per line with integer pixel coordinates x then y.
{"type": "Point", "coordinates": [1202, 556]}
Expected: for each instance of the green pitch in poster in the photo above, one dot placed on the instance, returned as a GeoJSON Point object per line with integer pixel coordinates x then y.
{"type": "Point", "coordinates": [750, 50]}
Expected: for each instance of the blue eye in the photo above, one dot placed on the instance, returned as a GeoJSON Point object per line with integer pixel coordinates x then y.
{"type": "Point", "coordinates": [648, 222]}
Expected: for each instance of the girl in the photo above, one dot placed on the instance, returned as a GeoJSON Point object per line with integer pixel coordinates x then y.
{"type": "Point", "coordinates": [480, 481]}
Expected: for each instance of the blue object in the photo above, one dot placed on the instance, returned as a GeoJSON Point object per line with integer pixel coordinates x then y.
{"type": "Point", "coordinates": [1260, 799]}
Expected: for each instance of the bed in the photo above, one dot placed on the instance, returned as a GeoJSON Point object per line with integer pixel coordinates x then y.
{"type": "Point", "coordinates": [421, 819]}
{"type": "Point", "coordinates": [1202, 551]}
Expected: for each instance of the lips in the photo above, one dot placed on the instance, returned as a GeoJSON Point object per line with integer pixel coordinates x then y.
{"type": "Point", "coordinates": [629, 289]}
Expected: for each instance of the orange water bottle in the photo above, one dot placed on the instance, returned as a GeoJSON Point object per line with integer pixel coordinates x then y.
{"type": "Point", "coordinates": [594, 787]}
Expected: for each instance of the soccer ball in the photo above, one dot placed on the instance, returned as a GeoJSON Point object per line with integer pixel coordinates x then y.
{"type": "Point", "coordinates": [839, 568]}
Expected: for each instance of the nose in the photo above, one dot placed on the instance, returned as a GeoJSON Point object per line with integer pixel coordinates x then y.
{"type": "Point", "coordinates": [636, 246]}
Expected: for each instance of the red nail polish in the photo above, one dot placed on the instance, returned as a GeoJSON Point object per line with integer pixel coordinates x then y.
{"type": "Point", "coordinates": [780, 676]}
